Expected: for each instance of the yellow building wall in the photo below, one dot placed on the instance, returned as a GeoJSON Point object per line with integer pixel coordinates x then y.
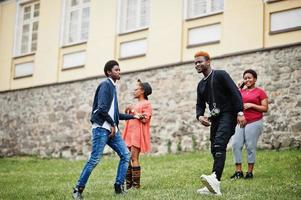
{"type": "Point", "coordinates": [271, 40]}
{"type": "Point", "coordinates": [72, 73]}
{"type": "Point", "coordinates": [102, 36]}
{"type": "Point", "coordinates": [100, 46]}
{"type": "Point", "coordinates": [213, 49]}
{"type": "Point", "coordinates": [132, 64]}
{"type": "Point", "coordinates": [7, 26]}
{"type": "Point", "coordinates": [241, 28]}
{"type": "Point", "coordinates": [165, 35]}
{"type": "Point", "coordinates": [46, 57]}
{"type": "Point", "coordinates": [244, 24]}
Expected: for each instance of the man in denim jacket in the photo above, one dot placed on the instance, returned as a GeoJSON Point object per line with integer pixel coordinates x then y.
{"type": "Point", "coordinates": [105, 118]}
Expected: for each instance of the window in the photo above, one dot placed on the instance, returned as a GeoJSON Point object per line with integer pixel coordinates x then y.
{"type": "Point", "coordinates": [284, 21]}
{"type": "Point", "coordinates": [134, 15]}
{"type": "Point", "coordinates": [198, 8]}
{"type": "Point", "coordinates": [76, 21]}
{"type": "Point", "coordinates": [204, 35]}
{"type": "Point", "coordinates": [23, 69]}
{"type": "Point", "coordinates": [74, 60]}
{"type": "Point", "coordinates": [133, 48]}
{"type": "Point", "coordinates": [27, 30]}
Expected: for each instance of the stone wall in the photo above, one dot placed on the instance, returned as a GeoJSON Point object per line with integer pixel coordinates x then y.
{"type": "Point", "coordinates": [54, 120]}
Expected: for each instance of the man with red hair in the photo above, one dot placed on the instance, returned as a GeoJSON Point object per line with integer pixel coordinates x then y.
{"type": "Point", "coordinates": [219, 91]}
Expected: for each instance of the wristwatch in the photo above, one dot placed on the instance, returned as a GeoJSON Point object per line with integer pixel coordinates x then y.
{"type": "Point", "coordinates": [240, 114]}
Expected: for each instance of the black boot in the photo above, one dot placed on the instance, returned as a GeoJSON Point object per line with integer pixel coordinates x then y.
{"type": "Point", "coordinates": [119, 189]}
{"type": "Point", "coordinates": [136, 173]}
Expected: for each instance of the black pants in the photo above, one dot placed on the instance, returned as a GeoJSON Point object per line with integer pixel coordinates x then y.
{"type": "Point", "coordinates": [222, 128]}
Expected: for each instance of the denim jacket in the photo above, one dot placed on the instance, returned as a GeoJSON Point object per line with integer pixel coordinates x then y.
{"type": "Point", "coordinates": [102, 102]}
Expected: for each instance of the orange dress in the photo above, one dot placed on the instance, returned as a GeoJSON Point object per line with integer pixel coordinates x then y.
{"type": "Point", "coordinates": [137, 133]}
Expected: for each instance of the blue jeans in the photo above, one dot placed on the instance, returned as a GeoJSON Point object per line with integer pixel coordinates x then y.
{"type": "Point", "coordinates": [100, 137]}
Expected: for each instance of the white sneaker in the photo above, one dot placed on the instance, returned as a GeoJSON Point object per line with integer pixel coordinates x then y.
{"type": "Point", "coordinates": [211, 182]}
{"type": "Point", "coordinates": [77, 195]}
{"type": "Point", "coordinates": [204, 191]}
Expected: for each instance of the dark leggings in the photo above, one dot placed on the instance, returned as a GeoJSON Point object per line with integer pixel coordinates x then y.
{"type": "Point", "coordinates": [222, 128]}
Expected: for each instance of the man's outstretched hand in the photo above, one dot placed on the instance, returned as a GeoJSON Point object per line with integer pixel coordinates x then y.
{"type": "Point", "coordinates": [113, 131]}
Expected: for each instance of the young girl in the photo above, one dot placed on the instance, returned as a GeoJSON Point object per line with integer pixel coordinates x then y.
{"type": "Point", "coordinates": [136, 133]}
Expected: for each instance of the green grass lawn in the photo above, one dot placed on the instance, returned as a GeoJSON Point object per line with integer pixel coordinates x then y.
{"type": "Point", "coordinates": [277, 175]}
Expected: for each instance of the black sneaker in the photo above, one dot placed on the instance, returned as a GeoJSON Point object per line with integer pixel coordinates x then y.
{"type": "Point", "coordinates": [249, 175]}
{"type": "Point", "coordinates": [119, 189]}
{"type": "Point", "coordinates": [237, 175]}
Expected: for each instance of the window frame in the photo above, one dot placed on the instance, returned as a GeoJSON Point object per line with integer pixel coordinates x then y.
{"type": "Point", "coordinates": [207, 14]}
{"type": "Point", "coordinates": [136, 55]}
{"type": "Point", "coordinates": [285, 30]}
{"type": "Point", "coordinates": [74, 66]}
{"type": "Point", "coordinates": [26, 75]}
{"type": "Point", "coordinates": [20, 22]}
{"type": "Point", "coordinates": [122, 16]}
{"type": "Point", "coordinates": [207, 42]}
{"type": "Point", "coordinates": [65, 22]}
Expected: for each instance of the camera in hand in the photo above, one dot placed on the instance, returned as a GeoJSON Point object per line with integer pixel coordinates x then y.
{"type": "Point", "coordinates": [214, 113]}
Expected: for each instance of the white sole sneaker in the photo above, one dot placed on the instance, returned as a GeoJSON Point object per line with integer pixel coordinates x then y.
{"type": "Point", "coordinates": [204, 191]}
{"type": "Point", "coordinates": [211, 183]}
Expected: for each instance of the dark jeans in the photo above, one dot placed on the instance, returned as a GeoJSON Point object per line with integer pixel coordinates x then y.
{"type": "Point", "coordinates": [222, 128]}
{"type": "Point", "coordinates": [100, 138]}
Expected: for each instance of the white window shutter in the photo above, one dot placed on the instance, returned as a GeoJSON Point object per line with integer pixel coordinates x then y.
{"type": "Point", "coordinates": [133, 48]}
{"type": "Point", "coordinates": [190, 8]}
{"type": "Point", "coordinates": [204, 34]}
{"type": "Point", "coordinates": [76, 59]}
{"type": "Point", "coordinates": [131, 14]}
{"type": "Point", "coordinates": [73, 26]}
{"type": "Point", "coordinates": [34, 37]}
{"type": "Point", "coordinates": [201, 7]}
{"type": "Point", "coordinates": [196, 8]}
{"type": "Point", "coordinates": [24, 69]}
{"type": "Point", "coordinates": [85, 23]}
{"type": "Point", "coordinates": [144, 13]}
{"type": "Point", "coordinates": [217, 5]}
{"type": "Point", "coordinates": [134, 14]}
{"type": "Point", "coordinates": [77, 20]}
{"type": "Point", "coordinates": [25, 38]}
{"type": "Point", "coordinates": [27, 28]}
{"type": "Point", "coordinates": [284, 20]}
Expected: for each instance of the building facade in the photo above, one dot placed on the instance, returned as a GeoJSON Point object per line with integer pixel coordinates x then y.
{"type": "Point", "coordinates": [52, 55]}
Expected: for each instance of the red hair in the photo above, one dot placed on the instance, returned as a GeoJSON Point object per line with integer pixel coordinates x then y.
{"type": "Point", "coordinates": [202, 53]}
